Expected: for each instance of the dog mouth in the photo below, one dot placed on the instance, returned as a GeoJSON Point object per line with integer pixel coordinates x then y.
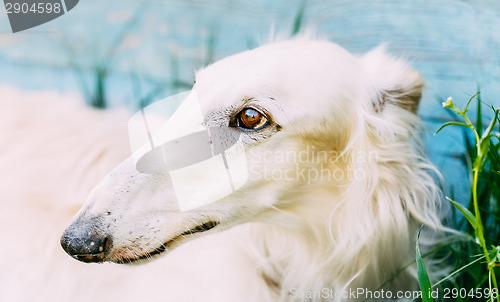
{"type": "Point", "coordinates": [174, 242]}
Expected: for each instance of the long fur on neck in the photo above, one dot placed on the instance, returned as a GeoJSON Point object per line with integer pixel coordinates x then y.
{"type": "Point", "coordinates": [361, 232]}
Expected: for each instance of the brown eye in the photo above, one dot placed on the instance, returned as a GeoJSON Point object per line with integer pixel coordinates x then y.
{"type": "Point", "coordinates": [250, 118]}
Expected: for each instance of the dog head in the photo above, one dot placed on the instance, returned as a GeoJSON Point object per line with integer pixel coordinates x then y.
{"type": "Point", "coordinates": [305, 113]}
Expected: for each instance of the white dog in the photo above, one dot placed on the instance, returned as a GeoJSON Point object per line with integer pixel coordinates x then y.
{"type": "Point", "coordinates": [344, 218]}
{"type": "Point", "coordinates": [349, 223]}
{"type": "Point", "coordinates": [53, 151]}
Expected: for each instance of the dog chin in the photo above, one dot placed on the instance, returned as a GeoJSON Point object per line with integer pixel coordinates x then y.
{"type": "Point", "coordinates": [123, 256]}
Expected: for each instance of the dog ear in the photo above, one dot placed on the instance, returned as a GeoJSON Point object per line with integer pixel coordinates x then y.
{"type": "Point", "coordinates": [392, 81]}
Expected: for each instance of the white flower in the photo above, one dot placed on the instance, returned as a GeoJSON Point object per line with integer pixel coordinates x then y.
{"type": "Point", "coordinates": [448, 103]}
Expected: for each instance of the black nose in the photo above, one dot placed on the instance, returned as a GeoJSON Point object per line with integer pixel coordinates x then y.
{"type": "Point", "coordinates": [85, 244]}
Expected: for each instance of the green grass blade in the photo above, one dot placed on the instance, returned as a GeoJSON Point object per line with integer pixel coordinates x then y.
{"type": "Point", "coordinates": [423, 277]}
{"type": "Point", "coordinates": [459, 270]}
{"type": "Point", "coordinates": [299, 18]}
{"type": "Point", "coordinates": [479, 117]}
{"type": "Point", "coordinates": [468, 103]}
{"type": "Point", "coordinates": [468, 214]}
{"type": "Point", "coordinates": [450, 124]}
{"type": "Point", "coordinates": [488, 130]}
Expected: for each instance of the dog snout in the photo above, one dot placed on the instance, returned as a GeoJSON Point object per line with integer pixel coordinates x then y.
{"type": "Point", "coordinates": [86, 244]}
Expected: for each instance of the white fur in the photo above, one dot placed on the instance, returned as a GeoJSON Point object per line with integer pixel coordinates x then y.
{"type": "Point", "coordinates": [53, 151]}
{"type": "Point", "coordinates": [286, 235]}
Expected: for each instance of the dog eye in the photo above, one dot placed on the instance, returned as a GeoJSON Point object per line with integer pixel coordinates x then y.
{"type": "Point", "coordinates": [250, 118]}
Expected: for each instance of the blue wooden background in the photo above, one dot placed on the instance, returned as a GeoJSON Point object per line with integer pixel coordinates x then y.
{"type": "Point", "coordinates": [150, 49]}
